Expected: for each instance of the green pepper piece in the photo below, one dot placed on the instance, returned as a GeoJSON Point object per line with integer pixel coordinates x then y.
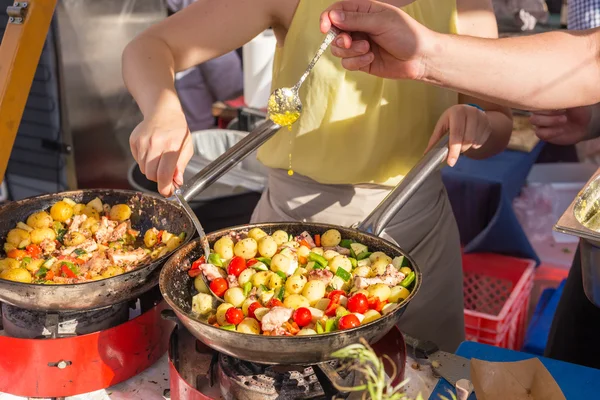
{"type": "Point", "coordinates": [79, 252]}
{"type": "Point", "coordinates": [264, 288]}
{"type": "Point", "coordinates": [410, 278]}
{"type": "Point", "coordinates": [259, 266]}
{"type": "Point", "coordinates": [182, 236]}
{"type": "Point", "coordinates": [25, 261]}
{"type": "Point", "coordinates": [342, 273]}
{"type": "Point", "coordinates": [405, 270]}
{"type": "Point", "coordinates": [319, 328]}
{"type": "Point", "coordinates": [41, 273]}
{"type": "Point", "coordinates": [60, 234]}
{"type": "Point", "coordinates": [318, 259]}
{"type": "Point", "coordinates": [215, 260]}
{"type": "Point", "coordinates": [363, 255]}
{"type": "Point", "coordinates": [247, 288]}
{"type": "Point", "coordinates": [330, 325]}
{"type": "Point", "coordinates": [264, 260]}
{"type": "Point", "coordinates": [282, 275]}
{"type": "Point", "coordinates": [353, 262]}
{"type": "Point", "coordinates": [280, 293]}
{"type": "Point", "coordinates": [345, 243]}
{"type": "Point", "coordinates": [341, 311]}
{"type": "Point", "coordinates": [228, 327]}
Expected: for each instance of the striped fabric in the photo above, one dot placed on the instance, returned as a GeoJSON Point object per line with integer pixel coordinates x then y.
{"type": "Point", "coordinates": [583, 14]}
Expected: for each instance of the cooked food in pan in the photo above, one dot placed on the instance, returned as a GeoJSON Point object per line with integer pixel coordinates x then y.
{"type": "Point", "coordinates": [73, 243]}
{"type": "Point", "coordinates": [306, 285]}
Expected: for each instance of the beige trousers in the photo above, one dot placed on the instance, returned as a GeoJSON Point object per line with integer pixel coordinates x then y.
{"type": "Point", "coordinates": [424, 227]}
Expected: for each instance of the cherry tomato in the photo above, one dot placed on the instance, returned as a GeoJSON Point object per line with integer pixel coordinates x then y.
{"type": "Point", "coordinates": [335, 295]}
{"type": "Point", "coordinates": [234, 316]}
{"type": "Point", "coordinates": [376, 304]}
{"type": "Point", "coordinates": [348, 321]}
{"type": "Point", "coordinates": [274, 303]}
{"type": "Point", "coordinates": [358, 303]}
{"type": "Point", "coordinates": [17, 254]}
{"type": "Point", "coordinates": [219, 286]}
{"type": "Point", "coordinates": [34, 250]}
{"type": "Point", "coordinates": [251, 262]}
{"type": "Point", "coordinates": [302, 316]}
{"type": "Point", "coordinates": [236, 266]}
{"type": "Point", "coordinates": [196, 264]}
{"type": "Point", "coordinates": [253, 308]}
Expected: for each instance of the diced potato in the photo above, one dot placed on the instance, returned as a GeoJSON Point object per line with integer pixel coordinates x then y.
{"type": "Point", "coordinates": [112, 271]}
{"type": "Point", "coordinates": [303, 251]}
{"type": "Point", "coordinates": [245, 276]}
{"type": "Point", "coordinates": [267, 247]}
{"type": "Point", "coordinates": [74, 238]}
{"type": "Point", "coordinates": [16, 236]}
{"type": "Point", "coordinates": [281, 263]}
{"type": "Point", "coordinates": [78, 209]}
{"type": "Point", "coordinates": [17, 275]}
{"type": "Point", "coordinates": [91, 224]}
{"type": "Point", "coordinates": [379, 266]}
{"type": "Point", "coordinates": [362, 272]}
{"type": "Point", "coordinates": [330, 254]}
{"type": "Point", "coordinates": [331, 238]}
{"type": "Point", "coordinates": [91, 213]}
{"type": "Point", "coordinates": [200, 285]}
{"type": "Point", "coordinates": [306, 332]}
{"type": "Point", "coordinates": [322, 304]}
{"type": "Point", "coordinates": [261, 278]}
{"type": "Point", "coordinates": [338, 283]}
{"type": "Point", "coordinates": [275, 282]}
{"type": "Point", "coordinates": [280, 237]}
{"type": "Point", "coordinates": [151, 237]}
{"type": "Point", "coordinates": [174, 243]}
{"type": "Point", "coordinates": [39, 220]}
{"type": "Point", "coordinates": [224, 247]}
{"type": "Point", "coordinates": [23, 226]}
{"type": "Point", "coordinates": [61, 211]}
{"type": "Point", "coordinates": [202, 304]}
{"type": "Point", "coordinates": [120, 212]}
{"type": "Point", "coordinates": [295, 284]}
{"type": "Point", "coordinates": [246, 248]}
{"type": "Point", "coordinates": [250, 326]}
{"type": "Point", "coordinates": [365, 262]}
{"type": "Point", "coordinates": [259, 313]}
{"type": "Point", "coordinates": [340, 262]}
{"type": "Point", "coordinates": [370, 315]}
{"type": "Point", "coordinates": [95, 204]}
{"type": "Point", "coordinates": [379, 290]}
{"type": "Point", "coordinates": [398, 293]}
{"type": "Point", "coordinates": [38, 235]}
{"type": "Point", "coordinates": [257, 234]}
{"type": "Point", "coordinates": [316, 313]}
{"type": "Point", "coordinates": [69, 202]}
{"type": "Point", "coordinates": [378, 255]}
{"type": "Point", "coordinates": [296, 301]}
{"type": "Point", "coordinates": [318, 250]}
{"type": "Point", "coordinates": [9, 263]}
{"type": "Point", "coordinates": [221, 310]}
{"type": "Point", "coordinates": [8, 247]}
{"type": "Point", "coordinates": [314, 291]}
{"type": "Point", "coordinates": [235, 296]}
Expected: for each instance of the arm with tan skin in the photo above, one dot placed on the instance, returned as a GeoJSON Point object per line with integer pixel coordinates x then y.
{"type": "Point", "coordinates": [161, 143]}
{"type": "Point", "coordinates": [475, 133]}
{"type": "Point", "coordinates": [539, 72]}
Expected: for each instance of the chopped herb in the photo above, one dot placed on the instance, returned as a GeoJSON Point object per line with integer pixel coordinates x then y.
{"type": "Point", "coordinates": [342, 273]}
{"type": "Point", "coordinates": [60, 235]}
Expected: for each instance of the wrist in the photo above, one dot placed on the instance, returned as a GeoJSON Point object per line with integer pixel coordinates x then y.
{"type": "Point", "coordinates": [167, 103]}
{"type": "Point", "coordinates": [432, 58]}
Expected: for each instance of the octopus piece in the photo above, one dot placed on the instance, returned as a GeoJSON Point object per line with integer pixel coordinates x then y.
{"type": "Point", "coordinates": [120, 257]}
{"type": "Point", "coordinates": [97, 264]}
{"type": "Point", "coordinates": [76, 223]}
{"type": "Point", "coordinates": [307, 238]}
{"type": "Point", "coordinates": [88, 246]}
{"type": "Point", "coordinates": [118, 233]}
{"type": "Point", "coordinates": [105, 230]}
{"type": "Point", "coordinates": [275, 318]}
{"type": "Point", "coordinates": [391, 277]}
{"type": "Point", "coordinates": [64, 281]}
{"type": "Point", "coordinates": [232, 281]}
{"type": "Point", "coordinates": [339, 249]}
{"type": "Point", "coordinates": [252, 294]}
{"type": "Point", "coordinates": [320, 275]}
{"type": "Point", "coordinates": [48, 246]}
{"type": "Point", "coordinates": [211, 272]}
{"type": "Point", "coordinates": [237, 236]}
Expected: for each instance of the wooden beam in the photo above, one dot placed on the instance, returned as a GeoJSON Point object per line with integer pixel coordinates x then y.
{"type": "Point", "coordinates": [20, 53]}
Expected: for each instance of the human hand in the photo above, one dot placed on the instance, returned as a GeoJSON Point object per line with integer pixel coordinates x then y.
{"type": "Point", "coordinates": [468, 128]}
{"type": "Point", "coordinates": [563, 127]}
{"type": "Point", "coordinates": [161, 144]}
{"type": "Point", "coordinates": [379, 39]}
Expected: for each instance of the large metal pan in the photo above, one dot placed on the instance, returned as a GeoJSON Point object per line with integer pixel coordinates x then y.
{"type": "Point", "coordinates": [177, 287]}
{"type": "Point", "coordinates": [149, 211]}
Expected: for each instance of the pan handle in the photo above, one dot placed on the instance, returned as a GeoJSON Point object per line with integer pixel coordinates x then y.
{"type": "Point", "coordinates": [393, 202]}
{"type": "Point", "coordinates": [229, 159]}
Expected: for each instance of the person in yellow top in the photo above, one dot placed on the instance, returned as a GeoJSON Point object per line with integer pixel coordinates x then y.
{"type": "Point", "coordinates": [357, 137]}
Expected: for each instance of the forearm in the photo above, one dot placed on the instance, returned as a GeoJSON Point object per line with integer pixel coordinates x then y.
{"type": "Point", "coordinates": [501, 125]}
{"type": "Point", "coordinates": [539, 72]}
{"type": "Point", "coordinates": [148, 73]}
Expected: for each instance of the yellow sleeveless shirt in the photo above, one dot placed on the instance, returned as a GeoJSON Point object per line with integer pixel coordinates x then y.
{"type": "Point", "coordinates": [355, 128]}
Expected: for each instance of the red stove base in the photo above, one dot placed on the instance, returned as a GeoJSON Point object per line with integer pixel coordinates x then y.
{"type": "Point", "coordinates": [82, 364]}
{"type": "Point", "coordinates": [187, 385]}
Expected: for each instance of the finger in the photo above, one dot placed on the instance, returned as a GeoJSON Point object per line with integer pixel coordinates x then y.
{"type": "Point", "coordinates": [548, 134]}
{"type": "Point", "coordinates": [166, 172]}
{"type": "Point", "coordinates": [187, 152]}
{"type": "Point", "coordinates": [548, 120]}
{"type": "Point", "coordinates": [357, 48]}
{"type": "Point", "coordinates": [343, 40]}
{"type": "Point", "coordinates": [141, 154]}
{"type": "Point", "coordinates": [356, 21]}
{"type": "Point", "coordinates": [549, 112]}
{"type": "Point", "coordinates": [441, 128]}
{"type": "Point", "coordinates": [358, 63]}
{"type": "Point", "coordinates": [457, 131]}
{"type": "Point", "coordinates": [471, 131]}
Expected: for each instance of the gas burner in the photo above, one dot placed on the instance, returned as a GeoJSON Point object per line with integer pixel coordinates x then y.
{"type": "Point", "coordinates": [240, 379]}
{"type": "Point", "coordinates": [28, 324]}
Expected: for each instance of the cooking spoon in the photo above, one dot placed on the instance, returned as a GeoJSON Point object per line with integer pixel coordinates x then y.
{"type": "Point", "coordinates": [285, 106]}
{"type": "Point", "coordinates": [178, 193]}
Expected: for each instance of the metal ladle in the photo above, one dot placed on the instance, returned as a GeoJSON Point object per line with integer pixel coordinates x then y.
{"type": "Point", "coordinates": [286, 101]}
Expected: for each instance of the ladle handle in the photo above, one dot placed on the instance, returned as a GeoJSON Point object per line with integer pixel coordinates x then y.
{"type": "Point", "coordinates": [229, 159]}
{"type": "Point", "coordinates": [393, 202]}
